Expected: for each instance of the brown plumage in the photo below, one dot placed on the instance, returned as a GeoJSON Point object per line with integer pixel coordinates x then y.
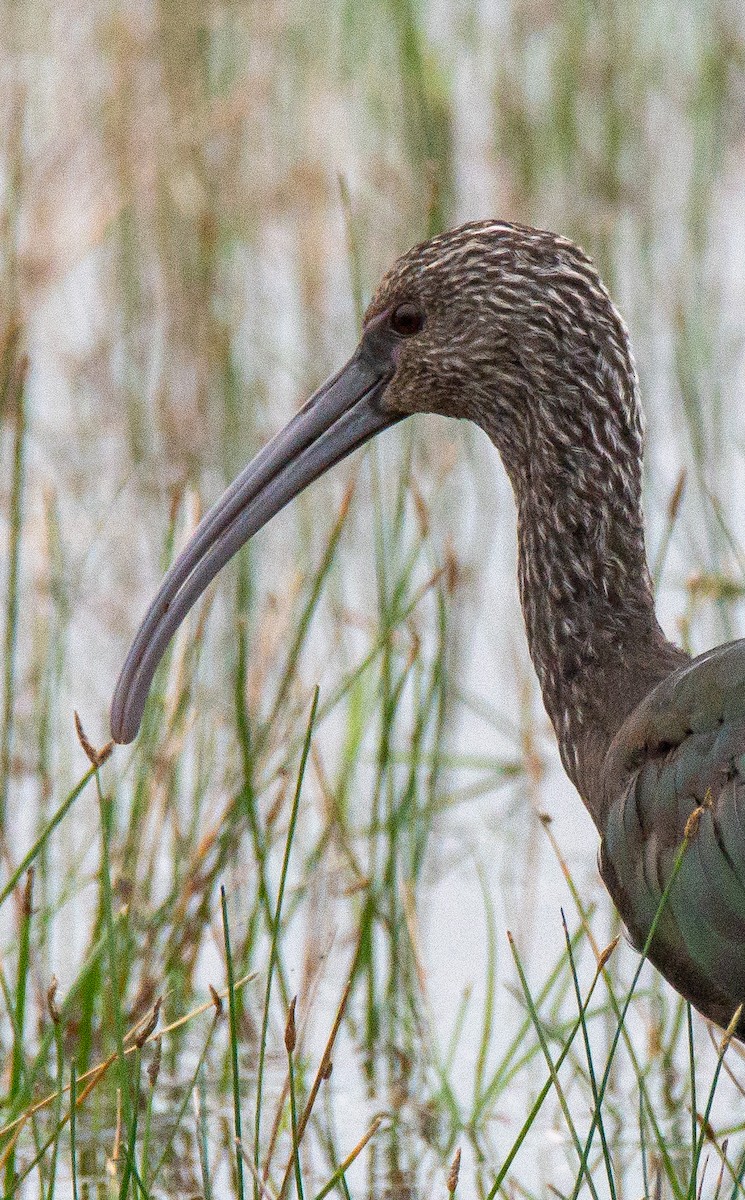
{"type": "Point", "coordinates": [524, 340]}
{"type": "Point", "coordinates": [512, 328]}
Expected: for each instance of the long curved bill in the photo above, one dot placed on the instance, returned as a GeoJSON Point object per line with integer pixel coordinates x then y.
{"type": "Point", "coordinates": [341, 416]}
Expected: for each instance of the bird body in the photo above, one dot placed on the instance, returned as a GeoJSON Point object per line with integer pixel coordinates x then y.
{"type": "Point", "coordinates": [511, 327]}
{"type": "Point", "coordinates": [682, 752]}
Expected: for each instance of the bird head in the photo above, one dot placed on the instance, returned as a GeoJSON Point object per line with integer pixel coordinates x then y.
{"type": "Point", "coordinates": [506, 325]}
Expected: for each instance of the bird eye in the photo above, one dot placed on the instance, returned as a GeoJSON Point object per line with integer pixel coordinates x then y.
{"type": "Point", "coordinates": [406, 319]}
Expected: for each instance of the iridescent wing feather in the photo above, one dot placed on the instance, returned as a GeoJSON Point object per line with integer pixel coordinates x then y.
{"type": "Point", "coordinates": [682, 750]}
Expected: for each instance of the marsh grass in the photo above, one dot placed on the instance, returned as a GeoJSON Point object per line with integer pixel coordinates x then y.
{"type": "Point", "coordinates": [343, 782]}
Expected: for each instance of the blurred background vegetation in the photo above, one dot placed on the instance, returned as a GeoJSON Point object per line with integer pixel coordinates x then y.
{"type": "Point", "coordinates": [197, 201]}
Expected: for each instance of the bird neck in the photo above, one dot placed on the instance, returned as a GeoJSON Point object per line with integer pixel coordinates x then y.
{"type": "Point", "coordinates": [587, 602]}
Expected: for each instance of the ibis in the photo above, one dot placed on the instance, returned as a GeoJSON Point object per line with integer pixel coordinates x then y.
{"type": "Point", "coordinates": [511, 327]}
